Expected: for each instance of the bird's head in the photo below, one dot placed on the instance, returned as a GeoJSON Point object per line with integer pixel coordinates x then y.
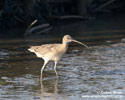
{"type": "Point", "coordinates": [68, 38]}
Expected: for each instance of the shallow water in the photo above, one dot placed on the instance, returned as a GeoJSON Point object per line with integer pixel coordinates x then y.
{"type": "Point", "coordinates": [81, 72]}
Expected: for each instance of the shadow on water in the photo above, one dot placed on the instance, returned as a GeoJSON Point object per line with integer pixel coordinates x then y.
{"type": "Point", "coordinates": [81, 71]}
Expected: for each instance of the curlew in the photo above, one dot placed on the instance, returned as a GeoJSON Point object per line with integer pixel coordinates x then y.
{"type": "Point", "coordinates": [53, 52]}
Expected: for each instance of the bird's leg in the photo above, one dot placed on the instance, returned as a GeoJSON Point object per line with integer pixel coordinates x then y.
{"type": "Point", "coordinates": [55, 69]}
{"type": "Point", "coordinates": [45, 62]}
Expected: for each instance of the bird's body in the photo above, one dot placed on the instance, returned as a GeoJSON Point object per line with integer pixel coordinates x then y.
{"type": "Point", "coordinates": [52, 52]}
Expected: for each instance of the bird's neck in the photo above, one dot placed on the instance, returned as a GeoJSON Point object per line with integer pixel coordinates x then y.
{"type": "Point", "coordinates": [65, 45]}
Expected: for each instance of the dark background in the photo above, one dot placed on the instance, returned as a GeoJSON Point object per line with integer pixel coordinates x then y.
{"type": "Point", "coordinates": [17, 15]}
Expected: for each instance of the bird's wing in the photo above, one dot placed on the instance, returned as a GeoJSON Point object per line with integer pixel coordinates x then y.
{"type": "Point", "coordinates": [44, 49]}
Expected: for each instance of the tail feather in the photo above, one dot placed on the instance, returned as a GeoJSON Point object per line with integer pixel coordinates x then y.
{"type": "Point", "coordinates": [30, 49]}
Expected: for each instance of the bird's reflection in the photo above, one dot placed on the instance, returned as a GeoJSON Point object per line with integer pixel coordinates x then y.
{"type": "Point", "coordinates": [57, 77]}
{"type": "Point", "coordinates": [45, 92]}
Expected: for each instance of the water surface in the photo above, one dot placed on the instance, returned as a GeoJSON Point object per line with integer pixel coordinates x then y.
{"type": "Point", "coordinates": [81, 71]}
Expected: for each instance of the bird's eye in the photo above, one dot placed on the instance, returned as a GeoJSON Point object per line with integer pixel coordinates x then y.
{"type": "Point", "coordinates": [68, 37]}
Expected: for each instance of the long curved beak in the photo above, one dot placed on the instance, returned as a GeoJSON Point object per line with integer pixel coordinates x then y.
{"type": "Point", "coordinates": [80, 43]}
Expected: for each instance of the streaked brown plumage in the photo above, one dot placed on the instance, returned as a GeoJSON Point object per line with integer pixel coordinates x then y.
{"type": "Point", "coordinates": [53, 52]}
